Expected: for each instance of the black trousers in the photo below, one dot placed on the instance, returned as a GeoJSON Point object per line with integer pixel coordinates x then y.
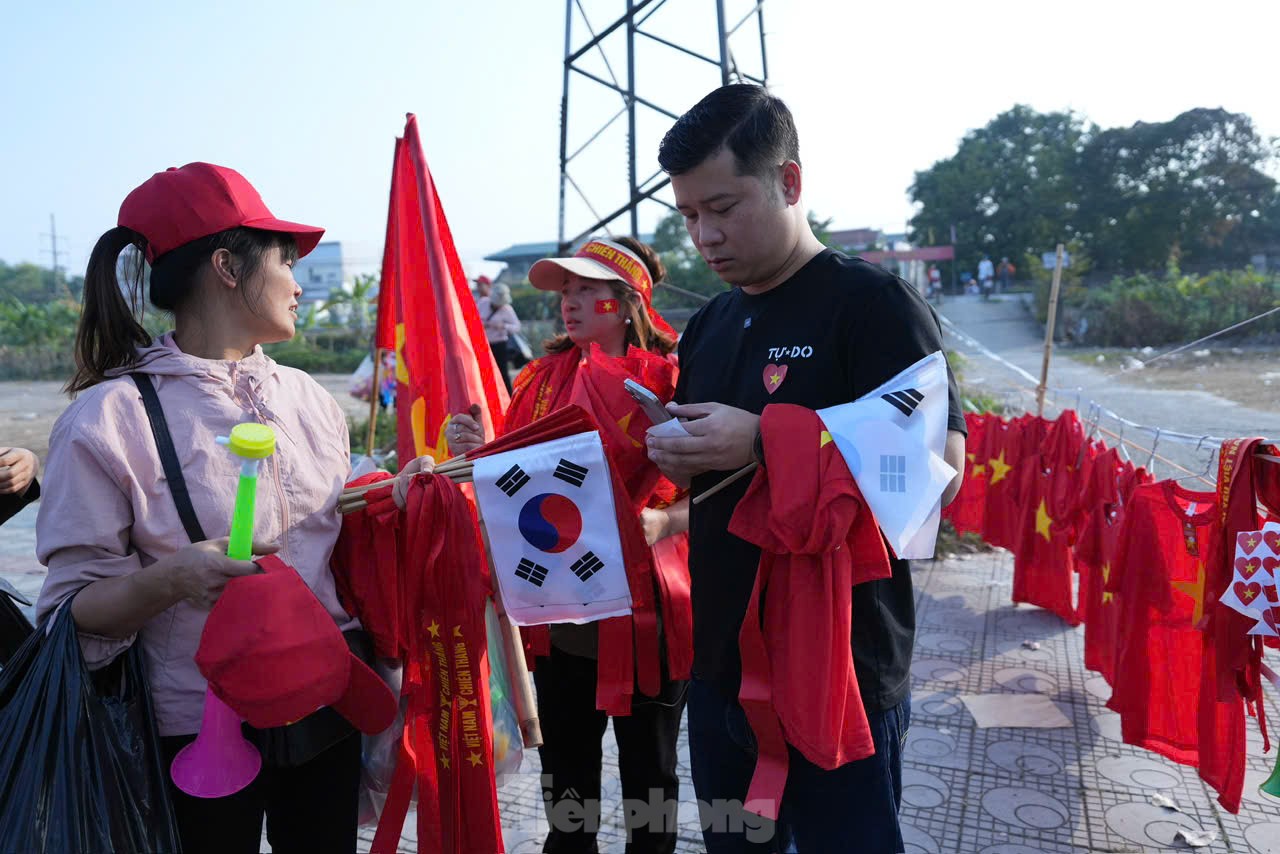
{"type": "Point", "coordinates": [502, 355]}
{"type": "Point", "coordinates": [310, 808]}
{"type": "Point", "coordinates": [571, 753]}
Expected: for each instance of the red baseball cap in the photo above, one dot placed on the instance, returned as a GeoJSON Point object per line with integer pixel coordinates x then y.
{"type": "Point", "coordinates": [273, 654]}
{"type": "Point", "coordinates": [179, 205]}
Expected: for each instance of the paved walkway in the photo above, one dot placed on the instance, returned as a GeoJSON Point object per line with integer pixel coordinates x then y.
{"type": "Point", "coordinates": [997, 791]}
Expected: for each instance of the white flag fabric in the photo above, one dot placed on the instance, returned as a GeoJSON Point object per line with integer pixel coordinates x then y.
{"type": "Point", "coordinates": [894, 441]}
{"type": "Point", "coordinates": [549, 513]}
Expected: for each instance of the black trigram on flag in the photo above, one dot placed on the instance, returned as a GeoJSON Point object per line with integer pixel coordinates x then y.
{"type": "Point", "coordinates": [531, 572]}
{"type": "Point", "coordinates": [512, 481]}
{"type": "Point", "coordinates": [587, 566]}
{"type": "Point", "coordinates": [904, 401]}
{"type": "Point", "coordinates": [571, 472]}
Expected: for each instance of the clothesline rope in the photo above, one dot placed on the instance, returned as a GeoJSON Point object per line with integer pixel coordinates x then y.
{"type": "Point", "coordinates": [1163, 433]}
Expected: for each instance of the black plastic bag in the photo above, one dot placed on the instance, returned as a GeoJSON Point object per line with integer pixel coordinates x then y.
{"type": "Point", "coordinates": [15, 628]}
{"type": "Point", "coordinates": [80, 762]}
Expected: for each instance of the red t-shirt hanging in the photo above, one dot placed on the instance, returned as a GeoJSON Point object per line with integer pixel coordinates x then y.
{"type": "Point", "coordinates": [966, 511]}
{"type": "Point", "coordinates": [1003, 457]}
{"type": "Point", "coordinates": [1043, 567]}
{"type": "Point", "coordinates": [1164, 546]}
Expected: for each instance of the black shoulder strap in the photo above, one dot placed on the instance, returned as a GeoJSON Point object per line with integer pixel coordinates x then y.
{"type": "Point", "coordinates": [169, 458]}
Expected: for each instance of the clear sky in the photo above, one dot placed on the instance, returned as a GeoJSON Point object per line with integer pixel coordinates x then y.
{"type": "Point", "coordinates": [305, 98]}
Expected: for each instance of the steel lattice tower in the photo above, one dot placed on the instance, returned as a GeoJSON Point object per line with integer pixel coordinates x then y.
{"type": "Point", "coordinates": [685, 40]}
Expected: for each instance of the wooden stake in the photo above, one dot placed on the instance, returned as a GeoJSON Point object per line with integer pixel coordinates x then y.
{"type": "Point", "coordinates": [373, 397]}
{"type": "Point", "coordinates": [1048, 332]}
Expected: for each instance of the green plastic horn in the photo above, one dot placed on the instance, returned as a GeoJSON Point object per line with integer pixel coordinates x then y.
{"type": "Point", "coordinates": [252, 443]}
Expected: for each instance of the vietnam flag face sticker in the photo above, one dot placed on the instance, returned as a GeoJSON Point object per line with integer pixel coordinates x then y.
{"type": "Point", "coordinates": [606, 306]}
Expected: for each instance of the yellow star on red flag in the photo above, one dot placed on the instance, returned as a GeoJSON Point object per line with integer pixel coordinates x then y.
{"type": "Point", "coordinates": [475, 759]}
{"type": "Point", "coordinates": [1043, 522]}
{"type": "Point", "coordinates": [434, 628]}
{"type": "Point", "coordinates": [1107, 595]}
{"type": "Point", "coordinates": [1194, 589]}
{"type": "Point", "coordinates": [624, 424]}
{"type": "Point", "coordinates": [999, 468]}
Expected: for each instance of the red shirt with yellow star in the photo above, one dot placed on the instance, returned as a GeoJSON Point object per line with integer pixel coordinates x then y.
{"type": "Point", "coordinates": [1159, 577]}
{"type": "Point", "coordinates": [1044, 566]}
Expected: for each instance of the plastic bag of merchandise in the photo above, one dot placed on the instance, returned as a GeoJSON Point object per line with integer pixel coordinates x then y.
{"type": "Point", "coordinates": [80, 762]}
{"type": "Point", "coordinates": [508, 749]}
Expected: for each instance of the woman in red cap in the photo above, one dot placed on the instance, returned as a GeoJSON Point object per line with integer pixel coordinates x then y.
{"type": "Point", "coordinates": [134, 567]}
{"type": "Point", "coordinates": [612, 333]}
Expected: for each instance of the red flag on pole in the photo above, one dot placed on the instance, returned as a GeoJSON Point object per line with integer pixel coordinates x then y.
{"type": "Point", "coordinates": [443, 361]}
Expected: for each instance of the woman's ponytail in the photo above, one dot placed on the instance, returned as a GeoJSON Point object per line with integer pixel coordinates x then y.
{"type": "Point", "coordinates": [109, 332]}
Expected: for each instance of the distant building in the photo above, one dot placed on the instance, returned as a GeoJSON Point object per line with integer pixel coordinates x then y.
{"type": "Point", "coordinates": [320, 271]}
{"type": "Point", "coordinates": [856, 239]}
{"type": "Point", "coordinates": [519, 258]}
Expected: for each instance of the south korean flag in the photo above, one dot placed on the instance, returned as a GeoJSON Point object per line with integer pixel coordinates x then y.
{"type": "Point", "coordinates": [553, 532]}
{"type": "Point", "coordinates": [894, 440]}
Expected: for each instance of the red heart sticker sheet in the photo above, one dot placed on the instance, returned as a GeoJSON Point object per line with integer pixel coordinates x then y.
{"type": "Point", "coordinates": [1253, 591]}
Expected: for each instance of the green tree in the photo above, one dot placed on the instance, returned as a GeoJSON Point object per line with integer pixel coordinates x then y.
{"type": "Point", "coordinates": [1009, 189]}
{"type": "Point", "coordinates": [1192, 187]}
{"type": "Point", "coordinates": [359, 299]}
{"type": "Point", "coordinates": [685, 267]}
{"type": "Point", "coordinates": [29, 283]}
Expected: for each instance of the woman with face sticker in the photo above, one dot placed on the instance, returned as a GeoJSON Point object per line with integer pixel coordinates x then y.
{"type": "Point", "coordinates": [611, 332]}
{"type": "Point", "coordinates": [131, 565]}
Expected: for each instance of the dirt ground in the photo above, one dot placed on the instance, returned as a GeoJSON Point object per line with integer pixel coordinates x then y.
{"type": "Point", "coordinates": [28, 409]}
{"type": "Point", "coordinates": [1248, 377]}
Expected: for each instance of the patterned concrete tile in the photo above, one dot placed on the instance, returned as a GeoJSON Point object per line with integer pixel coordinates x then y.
{"type": "Point", "coordinates": [932, 640]}
{"type": "Point", "coordinates": [933, 808]}
{"type": "Point", "coordinates": [939, 745]}
{"type": "Point", "coordinates": [1127, 822]}
{"type": "Point", "coordinates": [936, 707]}
{"type": "Point", "coordinates": [1046, 809]}
{"type": "Point", "coordinates": [1028, 754]}
{"type": "Point", "coordinates": [1026, 621]}
{"type": "Point", "coordinates": [1256, 828]}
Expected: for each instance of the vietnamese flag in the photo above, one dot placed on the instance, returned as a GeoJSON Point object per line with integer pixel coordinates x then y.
{"type": "Point", "coordinates": [426, 314]}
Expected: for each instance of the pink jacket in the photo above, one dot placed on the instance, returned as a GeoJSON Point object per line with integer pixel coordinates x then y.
{"type": "Point", "coordinates": [107, 510]}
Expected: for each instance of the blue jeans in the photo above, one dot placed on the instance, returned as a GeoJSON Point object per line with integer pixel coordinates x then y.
{"type": "Point", "coordinates": [852, 808]}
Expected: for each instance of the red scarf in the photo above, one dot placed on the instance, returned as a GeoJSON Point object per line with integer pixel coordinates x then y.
{"type": "Point", "coordinates": [817, 540]}
{"type": "Point", "coordinates": [1231, 676]}
{"type": "Point", "coordinates": [435, 623]}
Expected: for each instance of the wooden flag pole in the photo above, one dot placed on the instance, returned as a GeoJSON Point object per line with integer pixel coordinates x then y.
{"type": "Point", "coordinates": [373, 397]}
{"type": "Point", "coordinates": [1048, 332]}
{"type": "Point", "coordinates": [522, 699]}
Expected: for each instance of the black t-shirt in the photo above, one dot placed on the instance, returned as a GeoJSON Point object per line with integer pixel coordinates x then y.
{"type": "Point", "coordinates": [834, 331]}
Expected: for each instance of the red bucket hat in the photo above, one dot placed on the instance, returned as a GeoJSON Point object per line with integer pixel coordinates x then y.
{"type": "Point", "coordinates": [176, 206]}
{"type": "Point", "coordinates": [273, 654]}
{"type": "Point", "coordinates": [605, 260]}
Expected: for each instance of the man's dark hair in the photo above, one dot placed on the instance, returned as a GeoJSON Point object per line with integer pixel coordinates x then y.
{"type": "Point", "coordinates": [756, 126]}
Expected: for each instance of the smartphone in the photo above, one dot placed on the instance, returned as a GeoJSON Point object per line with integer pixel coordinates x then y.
{"type": "Point", "coordinates": [648, 402]}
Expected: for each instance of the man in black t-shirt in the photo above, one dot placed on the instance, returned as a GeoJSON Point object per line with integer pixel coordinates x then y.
{"type": "Point", "coordinates": [807, 326]}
